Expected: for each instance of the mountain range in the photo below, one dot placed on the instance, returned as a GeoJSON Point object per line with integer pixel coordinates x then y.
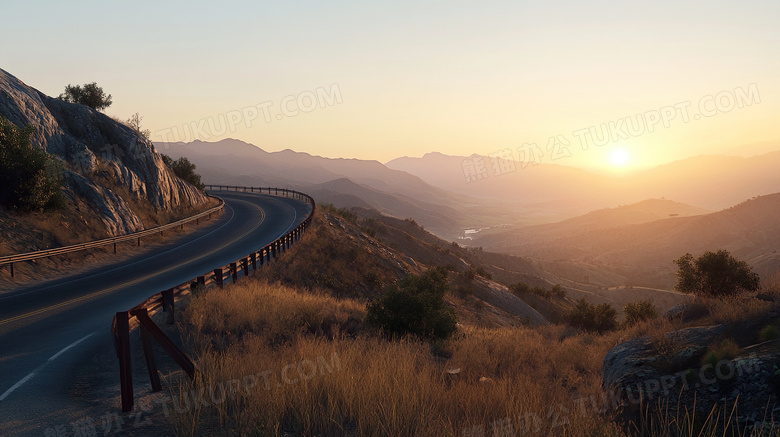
{"type": "Point", "coordinates": [710, 182]}
{"type": "Point", "coordinates": [580, 226]}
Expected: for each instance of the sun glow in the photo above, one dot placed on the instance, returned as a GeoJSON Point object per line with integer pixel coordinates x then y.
{"type": "Point", "coordinates": [619, 158]}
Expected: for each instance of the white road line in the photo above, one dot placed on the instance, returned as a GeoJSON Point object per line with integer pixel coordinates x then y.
{"type": "Point", "coordinates": [54, 357]}
{"type": "Point", "coordinates": [34, 372]}
{"type": "Point", "coordinates": [17, 385]}
{"type": "Point", "coordinates": [75, 343]}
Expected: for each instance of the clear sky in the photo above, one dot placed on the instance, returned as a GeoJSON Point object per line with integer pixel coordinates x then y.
{"type": "Point", "coordinates": [378, 80]}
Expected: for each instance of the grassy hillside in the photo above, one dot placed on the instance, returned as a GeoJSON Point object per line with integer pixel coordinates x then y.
{"type": "Point", "coordinates": [356, 253]}
{"type": "Point", "coordinates": [287, 353]}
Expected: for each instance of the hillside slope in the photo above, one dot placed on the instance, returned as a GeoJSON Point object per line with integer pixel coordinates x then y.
{"type": "Point", "coordinates": [357, 255]}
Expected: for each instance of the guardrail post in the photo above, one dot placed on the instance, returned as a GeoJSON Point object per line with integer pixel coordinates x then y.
{"type": "Point", "coordinates": [168, 346]}
{"type": "Point", "coordinates": [114, 247]}
{"type": "Point", "coordinates": [254, 261]}
{"type": "Point", "coordinates": [12, 269]}
{"type": "Point", "coordinates": [218, 277]}
{"type": "Point", "coordinates": [151, 365]}
{"type": "Point", "coordinates": [167, 305]}
{"type": "Point", "coordinates": [125, 364]}
{"type": "Point", "coordinates": [139, 241]}
{"type": "Point", "coordinates": [245, 266]}
{"type": "Point", "coordinates": [234, 272]}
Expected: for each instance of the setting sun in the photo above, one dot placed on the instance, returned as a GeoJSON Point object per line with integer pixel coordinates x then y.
{"type": "Point", "coordinates": [619, 158]}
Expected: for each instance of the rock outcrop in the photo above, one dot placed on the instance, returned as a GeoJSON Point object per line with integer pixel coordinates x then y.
{"type": "Point", "coordinates": [90, 143]}
{"type": "Point", "coordinates": [672, 373]}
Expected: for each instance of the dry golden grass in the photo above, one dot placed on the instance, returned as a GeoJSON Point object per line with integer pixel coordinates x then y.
{"type": "Point", "coordinates": [251, 337]}
{"type": "Point", "coordinates": [537, 379]}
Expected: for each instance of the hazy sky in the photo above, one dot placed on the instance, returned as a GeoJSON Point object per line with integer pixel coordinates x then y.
{"type": "Point", "coordinates": [378, 80]}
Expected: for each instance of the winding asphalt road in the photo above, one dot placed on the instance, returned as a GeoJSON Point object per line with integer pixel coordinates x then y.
{"type": "Point", "coordinates": [48, 331]}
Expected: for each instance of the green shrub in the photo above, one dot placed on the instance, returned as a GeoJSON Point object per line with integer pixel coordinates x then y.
{"type": "Point", "coordinates": [599, 318]}
{"type": "Point", "coordinates": [520, 287]}
{"type": "Point", "coordinates": [768, 333]}
{"type": "Point", "coordinates": [714, 274]}
{"type": "Point", "coordinates": [30, 178]}
{"type": "Point", "coordinates": [481, 271]}
{"type": "Point", "coordinates": [415, 307]}
{"type": "Point", "coordinates": [639, 311]}
{"type": "Point", "coordinates": [726, 350]}
{"type": "Point", "coordinates": [469, 275]}
{"type": "Point", "coordinates": [185, 170]}
{"type": "Point", "coordinates": [558, 291]}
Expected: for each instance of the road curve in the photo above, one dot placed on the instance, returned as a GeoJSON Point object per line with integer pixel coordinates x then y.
{"type": "Point", "coordinates": [49, 330]}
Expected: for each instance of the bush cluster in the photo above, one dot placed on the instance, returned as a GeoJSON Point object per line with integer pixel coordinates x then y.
{"type": "Point", "coordinates": [184, 170]}
{"type": "Point", "coordinates": [556, 291]}
{"type": "Point", "coordinates": [639, 311]}
{"type": "Point", "coordinates": [30, 178]}
{"type": "Point", "coordinates": [599, 318]}
{"type": "Point", "coordinates": [415, 307]}
{"type": "Point", "coordinates": [715, 274]}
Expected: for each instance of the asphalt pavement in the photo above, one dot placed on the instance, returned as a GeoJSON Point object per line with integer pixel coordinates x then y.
{"type": "Point", "coordinates": [51, 331]}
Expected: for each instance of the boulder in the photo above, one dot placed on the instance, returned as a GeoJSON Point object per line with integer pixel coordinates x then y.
{"type": "Point", "coordinates": [674, 375]}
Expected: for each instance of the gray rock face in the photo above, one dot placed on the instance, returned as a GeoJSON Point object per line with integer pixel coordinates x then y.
{"type": "Point", "coordinates": [499, 296]}
{"type": "Point", "coordinates": [638, 373]}
{"type": "Point", "coordinates": [632, 363]}
{"type": "Point", "coordinates": [89, 142]}
{"type": "Point", "coordinates": [114, 211]}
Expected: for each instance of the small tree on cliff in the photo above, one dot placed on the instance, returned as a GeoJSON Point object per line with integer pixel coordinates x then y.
{"type": "Point", "coordinates": [185, 170]}
{"type": "Point", "coordinates": [714, 274]}
{"type": "Point", "coordinates": [90, 94]}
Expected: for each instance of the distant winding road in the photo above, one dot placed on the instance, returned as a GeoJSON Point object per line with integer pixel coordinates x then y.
{"type": "Point", "coordinates": [50, 330]}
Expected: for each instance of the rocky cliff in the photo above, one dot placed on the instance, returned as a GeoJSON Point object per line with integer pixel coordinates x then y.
{"type": "Point", "coordinates": [95, 149]}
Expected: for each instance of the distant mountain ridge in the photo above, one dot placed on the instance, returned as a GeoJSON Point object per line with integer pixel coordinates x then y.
{"type": "Point", "coordinates": [711, 182]}
{"type": "Point", "coordinates": [344, 182]}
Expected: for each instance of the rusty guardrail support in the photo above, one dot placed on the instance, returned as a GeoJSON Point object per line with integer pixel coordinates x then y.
{"type": "Point", "coordinates": [168, 305]}
{"type": "Point", "coordinates": [122, 343]}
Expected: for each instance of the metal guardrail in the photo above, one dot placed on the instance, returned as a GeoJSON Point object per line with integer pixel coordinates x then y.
{"type": "Point", "coordinates": [11, 259]}
{"type": "Point", "coordinates": [125, 322]}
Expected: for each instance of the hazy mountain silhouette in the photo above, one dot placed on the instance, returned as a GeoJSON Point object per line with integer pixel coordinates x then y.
{"type": "Point", "coordinates": [712, 182]}
{"type": "Point", "coordinates": [750, 230]}
{"type": "Point", "coordinates": [343, 182]}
